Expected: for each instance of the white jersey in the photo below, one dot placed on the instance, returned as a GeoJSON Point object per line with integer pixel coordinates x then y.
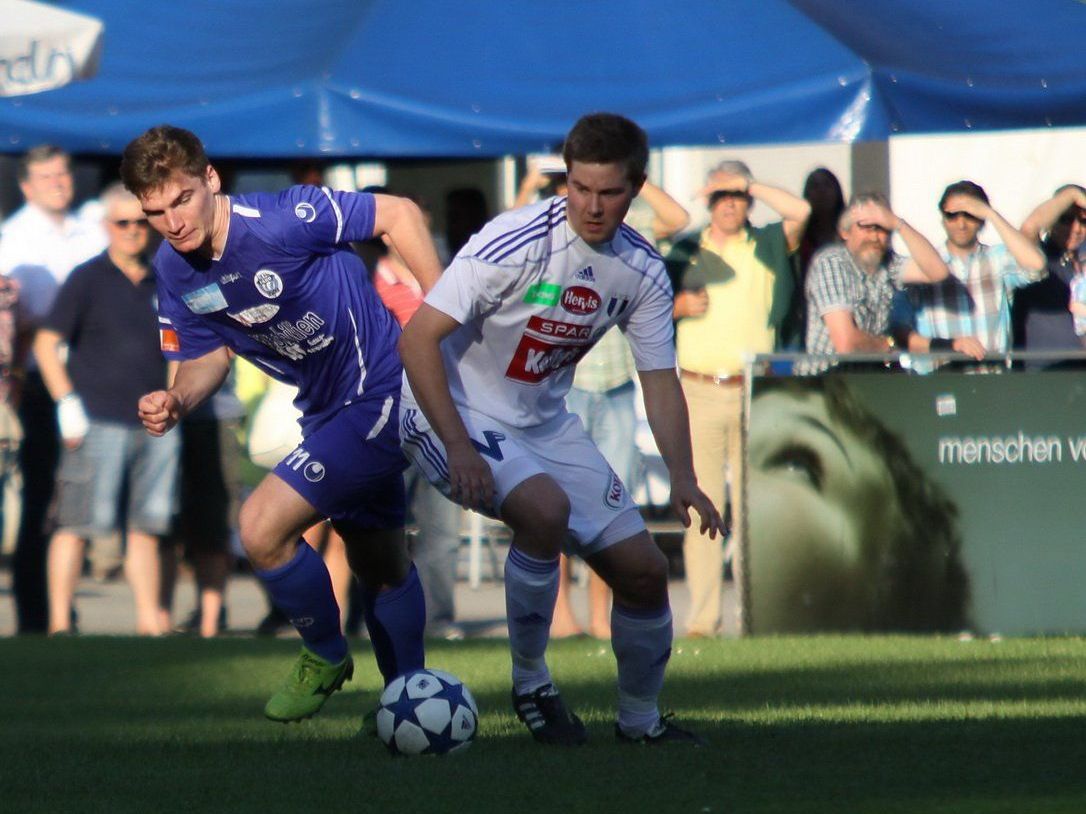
{"type": "Point", "coordinates": [532, 298]}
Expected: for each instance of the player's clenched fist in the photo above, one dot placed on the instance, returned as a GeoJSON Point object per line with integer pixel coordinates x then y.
{"type": "Point", "coordinates": [159, 411]}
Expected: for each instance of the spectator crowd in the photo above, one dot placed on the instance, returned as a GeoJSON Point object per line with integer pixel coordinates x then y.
{"type": "Point", "coordinates": [84, 488]}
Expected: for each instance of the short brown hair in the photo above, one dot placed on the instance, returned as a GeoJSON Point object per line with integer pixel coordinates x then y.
{"type": "Point", "coordinates": [150, 160]}
{"type": "Point", "coordinates": [607, 138]}
{"type": "Point", "coordinates": [36, 155]}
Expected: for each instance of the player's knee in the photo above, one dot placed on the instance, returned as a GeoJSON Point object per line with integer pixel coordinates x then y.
{"type": "Point", "coordinates": [263, 543]}
{"type": "Point", "coordinates": [554, 515]}
{"type": "Point", "coordinates": [538, 509]}
{"type": "Point", "coordinates": [546, 527]}
{"type": "Point", "coordinates": [249, 530]}
{"type": "Point", "coordinates": [643, 583]}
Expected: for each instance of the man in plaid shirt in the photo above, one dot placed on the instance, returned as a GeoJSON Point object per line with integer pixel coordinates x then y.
{"type": "Point", "coordinates": [850, 285]}
{"type": "Point", "coordinates": [975, 300]}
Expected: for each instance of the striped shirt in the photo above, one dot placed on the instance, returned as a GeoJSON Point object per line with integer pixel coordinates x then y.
{"type": "Point", "coordinates": [974, 300]}
{"type": "Point", "coordinates": [836, 283]}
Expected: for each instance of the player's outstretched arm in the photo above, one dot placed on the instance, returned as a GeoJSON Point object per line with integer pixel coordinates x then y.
{"type": "Point", "coordinates": [665, 408]}
{"type": "Point", "coordinates": [470, 478]}
{"type": "Point", "coordinates": [194, 381]}
{"type": "Point", "coordinates": [404, 224]}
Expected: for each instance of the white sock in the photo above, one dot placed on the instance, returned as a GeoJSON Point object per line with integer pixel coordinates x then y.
{"type": "Point", "coordinates": [641, 640]}
{"type": "Point", "coordinates": [531, 588]}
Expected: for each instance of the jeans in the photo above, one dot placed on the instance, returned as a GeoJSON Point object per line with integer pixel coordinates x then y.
{"type": "Point", "coordinates": [114, 461]}
{"type": "Point", "coordinates": [611, 422]}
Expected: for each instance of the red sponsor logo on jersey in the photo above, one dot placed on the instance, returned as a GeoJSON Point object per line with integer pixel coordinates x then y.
{"type": "Point", "coordinates": [580, 300]}
{"type": "Point", "coordinates": [559, 330]}
{"type": "Point", "coordinates": [546, 346]}
{"type": "Point", "coordinates": [168, 340]}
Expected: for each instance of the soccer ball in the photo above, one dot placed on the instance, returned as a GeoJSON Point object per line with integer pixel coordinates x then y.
{"type": "Point", "coordinates": [427, 712]}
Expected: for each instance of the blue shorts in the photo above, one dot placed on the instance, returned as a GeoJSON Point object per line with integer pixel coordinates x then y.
{"type": "Point", "coordinates": [351, 467]}
{"type": "Point", "coordinates": [114, 461]}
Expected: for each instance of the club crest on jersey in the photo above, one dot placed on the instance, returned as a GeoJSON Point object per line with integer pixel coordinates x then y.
{"type": "Point", "coordinates": [580, 300]}
{"type": "Point", "coordinates": [305, 212]}
{"type": "Point", "coordinates": [585, 274]}
{"type": "Point", "coordinates": [613, 497]}
{"type": "Point", "coordinates": [268, 283]}
{"type": "Point", "coordinates": [206, 300]}
{"type": "Point", "coordinates": [616, 305]}
{"type": "Point", "coordinates": [255, 315]}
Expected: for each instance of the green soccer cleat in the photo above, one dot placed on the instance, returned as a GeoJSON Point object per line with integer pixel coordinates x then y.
{"type": "Point", "coordinates": [307, 687]}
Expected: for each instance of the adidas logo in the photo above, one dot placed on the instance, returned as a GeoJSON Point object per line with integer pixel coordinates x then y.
{"type": "Point", "coordinates": [585, 274]}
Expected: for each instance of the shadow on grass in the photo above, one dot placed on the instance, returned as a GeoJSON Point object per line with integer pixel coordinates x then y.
{"type": "Point", "coordinates": [97, 724]}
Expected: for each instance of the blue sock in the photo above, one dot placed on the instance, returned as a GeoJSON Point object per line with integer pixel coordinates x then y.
{"type": "Point", "coordinates": [302, 589]}
{"type": "Point", "coordinates": [395, 620]}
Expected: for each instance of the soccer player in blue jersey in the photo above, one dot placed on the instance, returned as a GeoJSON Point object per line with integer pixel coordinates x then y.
{"type": "Point", "coordinates": [270, 277]}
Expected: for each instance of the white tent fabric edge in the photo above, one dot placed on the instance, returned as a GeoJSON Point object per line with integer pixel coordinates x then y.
{"type": "Point", "coordinates": [42, 47]}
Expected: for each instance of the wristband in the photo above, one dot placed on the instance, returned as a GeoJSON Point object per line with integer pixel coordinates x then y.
{"type": "Point", "coordinates": [940, 344]}
{"type": "Point", "coordinates": [71, 417]}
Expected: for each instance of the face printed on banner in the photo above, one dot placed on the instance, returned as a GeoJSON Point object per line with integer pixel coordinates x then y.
{"type": "Point", "coordinates": [847, 531]}
{"type": "Point", "coordinates": [821, 507]}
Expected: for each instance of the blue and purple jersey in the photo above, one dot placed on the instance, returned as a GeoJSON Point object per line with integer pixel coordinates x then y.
{"type": "Point", "coordinates": [289, 295]}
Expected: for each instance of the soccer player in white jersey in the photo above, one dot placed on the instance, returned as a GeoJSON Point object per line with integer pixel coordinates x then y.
{"type": "Point", "coordinates": [488, 360]}
{"type": "Point", "coordinates": [271, 278]}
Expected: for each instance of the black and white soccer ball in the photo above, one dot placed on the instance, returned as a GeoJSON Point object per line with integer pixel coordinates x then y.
{"type": "Point", "coordinates": [427, 712]}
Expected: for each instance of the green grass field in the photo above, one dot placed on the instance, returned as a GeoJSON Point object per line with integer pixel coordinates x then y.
{"type": "Point", "coordinates": [843, 724]}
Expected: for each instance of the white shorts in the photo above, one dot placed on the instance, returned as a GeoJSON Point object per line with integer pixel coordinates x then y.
{"type": "Point", "coordinates": [602, 512]}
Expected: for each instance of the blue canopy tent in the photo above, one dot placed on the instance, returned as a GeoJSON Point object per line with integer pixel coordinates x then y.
{"type": "Point", "coordinates": [386, 78]}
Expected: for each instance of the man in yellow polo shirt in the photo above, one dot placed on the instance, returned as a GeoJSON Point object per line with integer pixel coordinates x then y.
{"type": "Point", "coordinates": [733, 286]}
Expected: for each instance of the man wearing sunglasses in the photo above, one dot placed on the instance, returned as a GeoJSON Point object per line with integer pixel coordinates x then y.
{"type": "Point", "coordinates": [734, 284]}
{"type": "Point", "coordinates": [105, 311]}
{"type": "Point", "coordinates": [851, 285]}
{"type": "Point", "coordinates": [970, 311]}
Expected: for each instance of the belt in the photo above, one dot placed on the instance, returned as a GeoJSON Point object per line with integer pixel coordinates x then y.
{"type": "Point", "coordinates": [723, 381]}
